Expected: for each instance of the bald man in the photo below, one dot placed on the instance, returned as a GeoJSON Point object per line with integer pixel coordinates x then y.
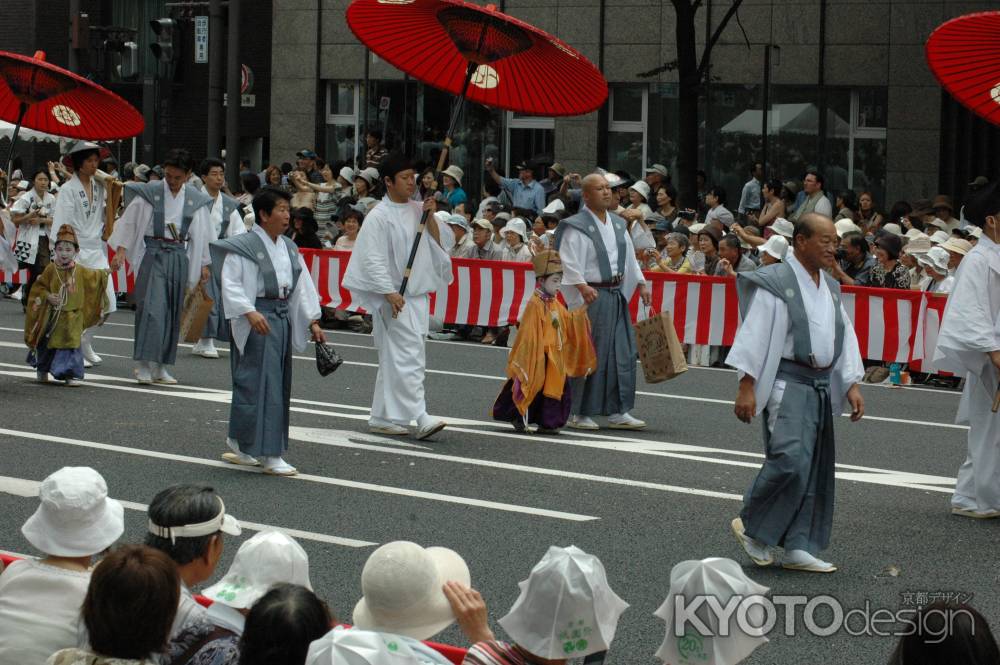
{"type": "Point", "coordinates": [798, 360]}
{"type": "Point", "coordinates": [600, 272]}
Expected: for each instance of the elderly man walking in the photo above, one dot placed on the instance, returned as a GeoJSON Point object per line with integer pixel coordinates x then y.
{"type": "Point", "coordinates": [798, 359]}
{"type": "Point", "coordinates": [601, 271]}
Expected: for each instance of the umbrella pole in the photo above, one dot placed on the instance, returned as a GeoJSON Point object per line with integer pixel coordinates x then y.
{"type": "Point", "coordinates": [456, 111]}
{"type": "Point", "coordinates": [8, 162]}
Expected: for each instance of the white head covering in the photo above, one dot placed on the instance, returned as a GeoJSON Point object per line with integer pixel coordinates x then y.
{"type": "Point", "coordinates": [402, 586]}
{"type": "Point", "coordinates": [76, 517]}
{"type": "Point", "coordinates": [554, 206]}
{"type": "Point", "coordinates": [776, 246]}
{"type": "Point", "coordinates": [641, 187]}
{"type": "Point", "coordinates": [455, 172]}
{"type": "Point", "coordinates": [722, 578]}
{"type": "Point", "coordinates": [845, 226]}
{"type": "Point", "coordinates": [936, 259]}
{"type": "Point", "coordinates": [783, 227]}
{"type": "Point", "coordinates": [442, 216]}
{"type": "Point", "coordinates": [269, 558]}
{"type": "Point", "coordinates": [974, 231]}
{"type": "Point", "coordinates": [893, 228]}
{"type": "Point", "coordinates": [518, 226]}
{"type": "Point", "coordinates": [915, 233]}
{"type": "Point", "coordinates": [940, 237]}
{"type": "Point", "coordinates": [347, 173]}
{"type": "Point", "coordinates": [353, 646]}
{"type": "Point", "coordinates": [370, 175]}
{"type": "Point", "coordinates": [566, 608]}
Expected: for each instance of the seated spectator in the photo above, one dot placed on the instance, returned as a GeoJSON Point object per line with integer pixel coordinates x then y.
{"type": "Point", "coordinates": [957, 249]}
{"type": "Point", "coordinates": [128, 610]}
{"type": "Point", "coordinates": [251, 183]}
{"type": "Point", "coordinates": [774, 250]}
{"type": "Point", "coordinates": [186, 522]}
{"type": "Point", "coordinates": [973, 233]}
{"type": "Point", "coordinates": [916, 246]}
{"type": "Point", "coordinates": [724, 580]}
{"type": "Point", "coordinates": [464, 247]}
{"type": "Point", "coordinates": [515, 247]}
{"type": "Point", "coordinates": [414, 593]}
{"type": "Point", "coordinates": [952, 634]}
{"type": "Point", "coordinates": [708, 244]}
{"type": "Point", "coordinates": [267, 559]}
{"type": "Point", "coordinates": [889, 273]}
{"type": "Point", "coordinates": [847, 206]}
{"type": "Point", "coordinates": [731, 257]}
{"type": "Point", "coordinates": [638, 202]}
{"type": "Point", "coordinates": [343, 646]}
{"type": "Point", "coordinates": [718, 216]}
{"type": "Point", "coordinates": [281, 625]}
{"type": "Point", "coordinates": [40, 599]}
{"type": "Point", "coordinates": [304, 229]}
{"type": "Point", "coordinates": [944, 209]}
{"type": "Point", "coordinates": [938, 278]}
{"type": "Point", "coordinates": [566, 610]}
{"type": "Point", "coordinates": [482, 237]}
{"type": "Point", "coordinates": [351, 221]}
{"type": "Point", "coordinates": [674, 258]}
{"type": "Point", "coordinates": [666, 201]}
{"type": "Point", "coordinates": [453, 194]}
{"type": "Point", "coordinates": [364, 182]}
{"type": "Point", "coordinates": [855, 261]}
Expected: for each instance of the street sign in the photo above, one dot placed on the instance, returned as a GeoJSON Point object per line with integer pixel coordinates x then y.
{"type": "Point", "coordinates": [246, 101]}
{"type": "Point", "coordinates": [383, 103]}
{"type": "Point", "coordinates": [201, 39]}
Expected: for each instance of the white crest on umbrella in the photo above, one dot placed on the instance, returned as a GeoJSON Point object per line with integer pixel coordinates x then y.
{"type": "Point", "coordinates": [995, 93]}
{"type": "Point", "coordinates": [66, 115]}
{"type": "Point", "coordinates": [485, 77]}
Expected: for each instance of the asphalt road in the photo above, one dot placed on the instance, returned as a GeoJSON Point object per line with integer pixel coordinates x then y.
{"type": "Point", "coordinates": [642, 502]}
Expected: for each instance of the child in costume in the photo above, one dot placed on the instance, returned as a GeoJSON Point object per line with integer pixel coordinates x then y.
{"type": "Point", "coordinates": [65, 300]}
{"type": "Point", "coordinates": [552, 345]}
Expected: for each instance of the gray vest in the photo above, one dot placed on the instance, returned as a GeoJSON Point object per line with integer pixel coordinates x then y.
{"type": "Point", "coordinates": [780, 281]}
{"type": "Point", "coordinates": [152, 193]}
{"type": "Point", "coordinates": [229, 206]}
{"type": "Point", "coordinates": [250, 246]}
{"type": "Point", "coordinates": [585, 224]}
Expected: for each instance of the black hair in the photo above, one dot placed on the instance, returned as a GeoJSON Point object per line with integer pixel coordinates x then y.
{"type": "Point", "coordinates": [985, 203]}
{"type": "Point", "coordinates": [351, 213]}
{"type": "Point", "coordinates": [753, 166]}
{"type": "Point", "coordinates": [732, 240]}
{"type": "Point", "coordinates": [78, 158]}
{"type": "Point", "coordinates": [816, 174]}
{"type": "Point", "coordinates": [899, 209]}
{"type": "Point", "coordinates": [286, 168]}
{"type": "Point", "coordinates": [377, 133]}
{"type": "Point", "coordinates": [179, 158]}
{"type": "Point", "coordinates": [34, 174]}
{"type": "Point", "coordinates": [949, 633]}
{"type": "Point", "coordinates": [775, 186]}
{"type": "Point", "coordinates": [719, 193]}
{"type": "Point", "coordinates": [282, 625]}
{"type": "Point", "coordinates": [394, 164]}
{"type": "Point", "coordinates": [266, 199]}
{"type": "Point", "coordinates": [251, 183]}
{"type": "Point", "coordinates": [177, 506]}
{"type": "Point", "coordinates": [857, 241]}
{"type": "Point", "coordinates": [702, 174]}
{"type": "Point", "coordinates": [669, 189]}
{"type": "Point", "coordinates": [850, 199]}
{"type": "Point", "coordinates": [210, 163]}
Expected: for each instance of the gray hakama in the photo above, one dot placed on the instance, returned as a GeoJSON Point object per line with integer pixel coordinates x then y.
{"type": "Point", "coordinates": [610, 389]}
{"type": "Point", "coordinates": [790, 503]}
{"type": "Point", "coordinates": [216, 326]}
{"type": "Point", "coordinates": [159, 299]}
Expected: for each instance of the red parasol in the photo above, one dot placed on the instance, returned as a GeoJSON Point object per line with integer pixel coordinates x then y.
{"type": "Point", "coordinates": [964, 55]}
{"type": "Point", "coordinates": [514, 65]}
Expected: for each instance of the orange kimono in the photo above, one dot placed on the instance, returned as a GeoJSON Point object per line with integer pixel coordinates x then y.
{"type": "Point", "coordinates": [552, 344]}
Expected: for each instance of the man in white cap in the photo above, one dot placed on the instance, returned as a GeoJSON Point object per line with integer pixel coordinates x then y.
{"type": "Point", "coordinates": [187, 522]}
{"type": "Point", "coordinates": [656, 175]}
{"type": "Point", "coordinates": [482, 237]}
{"type": "Point", "coordinates": [600, 270]}
{"type": "Point", "coordinates": [465, 247]}
{"type": "Point", "coordinates": [164, 232]}
{"type": "Point", "coordinates": [566, 610]}
{"type": "Point", "coordinates": [374, 276]}
{"type": "Point", "coordinates": [40, 599]}
{"type": "Point", "coordinates": [969, 344]}
{"type": "Point", "coordinates": [80, 204]}
{"type": "Point", "coordinates": [797, 357]}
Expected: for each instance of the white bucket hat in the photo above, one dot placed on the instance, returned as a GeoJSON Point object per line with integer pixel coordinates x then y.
{"type": "Point", "coordinates": [722, 578]}
{"type": "Point", "coordinates": [915, 233]}
{"type": "Point", "coordinates": [845, 226]}
{"type": "Point", "coordinates": [695, 229]}
{"type": "Point", "coordinates": [458, 220]}
{"type": "Point", "coordinates": [566, 608]}
{"type": "Point", "coordinates": [269, 558]}
{"type": "Point", "coordinates": [776, 246]}
{"type": "Point", "coordinates": [556, 205]}
{"type": "Point", "coordinates": [940, 237]}
{"type": "Point", "coordinates": [974, 231]}
{"type": "Point", "coordinates": [939, 223]}
{"type": "Point", "coordinates": [517, 226]}
{"type": "Point", "coordinates": [442, 216]}
{"type": "Point", "coordinates": [369, 175]}
{"type": "Point", "coordinates": [455, 173]}
{"type": "Point", "coordinates": [918, 245]}
{"type": "Point", "coordinates": [936, 259]}
{"type": "Point", "coordinates": [76, 518]}
{"type": "Point", "coordinates": [783, 227]}
{"type": "Point", "coordinates": [641, 187]}
{"type": "Point", "coordinates": [353, 646]}
{"type": "Point", "coordinates": [893, 228]}
{"type": "Point", "coordinates": [957, 245]}
{"type": "Point", "coordinates": [347, 173]}
{"type": "Point", "coordinates": [402, 584]}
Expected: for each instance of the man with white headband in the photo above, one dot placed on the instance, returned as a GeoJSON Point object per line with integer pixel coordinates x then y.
{"type": "Point", "coordinates": [186, 522]}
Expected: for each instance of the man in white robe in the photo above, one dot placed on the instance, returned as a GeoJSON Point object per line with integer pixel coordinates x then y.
{"type": "Point", "coordinates": [969, 344]}
{"type": "Point", "coordinates": [797, 357]}
{"type": "Point", "coordinates": [273, 308]}
{"type": "Point", "coordinates": [80, 204]}
{"type": "Point", "coordinates": [374, 276]}
{"type": "Point", "coordinates": [164, 233]}
{"type": "Point", "coordinates": [227, 221]}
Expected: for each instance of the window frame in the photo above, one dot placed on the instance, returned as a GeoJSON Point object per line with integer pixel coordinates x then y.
{"type": "Point", "coordinates": [344, 119]}
{"type": "Point", "coordinates": [513, 121]}
{"type": "Point", "coordinates": [640, 126]}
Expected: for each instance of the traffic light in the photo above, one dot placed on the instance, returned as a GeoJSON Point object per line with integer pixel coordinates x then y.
{"type": "Point", "coordinates": [128, 69]}
{"type": "Point", "coordinates": [163, 47]}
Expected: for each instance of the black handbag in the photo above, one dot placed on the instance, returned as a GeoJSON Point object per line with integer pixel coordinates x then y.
{"type": "Point", "coordinates": [327, 359]}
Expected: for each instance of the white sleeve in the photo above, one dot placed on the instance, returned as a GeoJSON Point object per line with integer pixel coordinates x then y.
{"type": "Point", "coordinates": [235, 301]}
{"type": "Point", "coordinates": [21, 205]}
{"type": "Point", "coordinates": [62, 213]}
{"type": "Point", "coordinates": [573, 253]}
{"type": "Point", "coordinates": [130, 230]}
{"type": "Point", "coordinates": [304, 306]}
{"type": "Point", "coordinates": [236, 225]}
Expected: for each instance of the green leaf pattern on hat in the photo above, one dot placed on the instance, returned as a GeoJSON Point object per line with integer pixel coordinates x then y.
{"type": "Point", "coordinates": [691, 647]}
{"type": "Point", "coordinates": [230, 588]}
{"type": "Point", "coordinates": [573, 637]}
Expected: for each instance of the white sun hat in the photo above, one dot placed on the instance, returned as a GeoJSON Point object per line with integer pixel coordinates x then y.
{"type": "Point", "coordinates": [845, 226]}
{"type": "Point", "coordinates": [566, 608]}
{"type": "Point", "coordinates": [915, 233]}
{"type": "Point", "coordinates": [269, 558]}
{"type": "Point", "coordinates": [76, 517]}
{"type": "Point", "coordinates": [776, 246]}
{"type": "Point", "coordinates": [555, 205]}
{"type": "Point", "coordinates": [642, 188]}
{"type": "Point", "coordinates": [347, 173]}
{"type": "Point", "coordinates": [353, 646]}
{"type": "Point", "coordinates": [783, 227]}
{"type": "Point", "coordinates": [936, 259]}
{"type": "Point", "coordinates": [940, 237]}
{"type": "Point", "coordinates": [517, 226]}
{"type": "Point", "coordinates": [402, 584]}
{"type": "Point", "coordinates": [974, 231]}
{"type": "Point", "coordinates": [723, 644]}
{"type": "Point", "coordinates": [893, 228]}
{"type": "Point", "coordinates": [442, 216]}
{"type": "Point", "coordinates": [455, 172]}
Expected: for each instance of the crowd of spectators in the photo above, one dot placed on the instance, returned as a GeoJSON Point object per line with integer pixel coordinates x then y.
{"type": "Point", "coordinates": [92, 601]}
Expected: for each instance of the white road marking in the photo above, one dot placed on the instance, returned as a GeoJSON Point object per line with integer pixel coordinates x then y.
{"type": "Point", "coordinates": [340, 482]}
{"type": "Point", "coordinates": [29, 488]}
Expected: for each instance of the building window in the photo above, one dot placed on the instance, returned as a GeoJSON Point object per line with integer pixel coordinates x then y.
{"type": "Point", "coordinates": [628, 109]}
{"type": "Point", "coordinates": [866, 155]}
{"type": "Point", "coordinates": [529, 139]}
{"type": "Point", "coordinates": [342, 103]}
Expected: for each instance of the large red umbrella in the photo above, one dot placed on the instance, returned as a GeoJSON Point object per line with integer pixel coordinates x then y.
{"type": "Point", "coordinates": [964, 55]}
{"type": "Point", "coordinates": [479, 54]}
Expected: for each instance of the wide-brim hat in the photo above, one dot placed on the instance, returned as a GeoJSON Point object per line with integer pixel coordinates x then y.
{"type": "Point", "coordinates": [84, 146]}
{"type": "Point", "coordinates": [642, 188]}
{"type": "Point", "coordinates": [369, 175]}
{"type": "Point", "coordinates": [973, 231]}
{"type": "Point", "coordinates": [403, 585]}
{"type": "Point", "coordinates": [353, 646]}
{"type": "Point", "coordinates": [267, 559]}
{"type": "Point", "coordinates": [936, 258]}
{"type": "Point", "coordinates": [845, 226]}
{"type": "Point", "coordinates": [915, 233]}
{"type": "Point", "coordinates": [555, 205]}
{"type": "Point", "coordinates": [517, 226]}
{"type": "Point", "coordinates": [957, 245]}
{"type": "Point", "coordinates": [942, 202]}
{"type": "Point", "coordinates": [918, 246]}
{"type": "Point", "coordinates": [455, 172]}
{"type": "Point", "coordinates": [783, 227]}
{"type": "Point", "coordinates": [347, 173]}
{"type": "Point", "coordinates": [893, 228]}
{"type": "Point", "coordinates": [76, 517]}
{"type": "Point", "coordinates": [939, 237]}
{"type": "Point", "coordinates": [776, 246]}
{"type": "Point", "coordinates": [939, 223]}
{"type": "Point", "coordinates": [559, 169]}
{"type": "Point", "coordinates": [546, 263]}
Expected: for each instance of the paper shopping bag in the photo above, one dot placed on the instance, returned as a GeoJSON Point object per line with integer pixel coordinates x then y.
{"type": "Point", "coordinates": [197, 308]}
{"type": "Point", "coordinates": [659, 348]}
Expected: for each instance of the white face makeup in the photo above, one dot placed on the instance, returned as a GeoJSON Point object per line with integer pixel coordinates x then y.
{"type": "Point", "coordinates": [552, 283]}
{"type": "Point", "coordinates": [65, 251]}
